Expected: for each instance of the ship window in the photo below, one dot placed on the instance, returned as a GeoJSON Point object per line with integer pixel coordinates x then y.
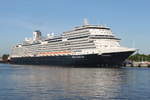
{"type": "Point", "coordinates": [77, 37]}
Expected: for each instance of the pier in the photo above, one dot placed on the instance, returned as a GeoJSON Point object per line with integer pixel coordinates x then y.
{"type": "Point", "coordinates": [4, 61]}
{"type": "Point", "coordinates": [138, 64]}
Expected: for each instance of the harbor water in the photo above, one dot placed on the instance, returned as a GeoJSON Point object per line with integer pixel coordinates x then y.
{"type": "Point", "coordinates": [26, 82]}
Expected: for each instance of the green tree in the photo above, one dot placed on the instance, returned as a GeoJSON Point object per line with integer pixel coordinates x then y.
{"type": "Point", "coordinates": [5, 57]}
{"type": "Point", "coordinates": [139, 57]}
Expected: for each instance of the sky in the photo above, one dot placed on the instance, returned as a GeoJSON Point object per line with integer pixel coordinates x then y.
{"type": "Point", "coordinates": [128, 19]}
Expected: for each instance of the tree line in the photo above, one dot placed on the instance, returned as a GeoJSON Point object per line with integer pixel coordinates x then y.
{"type": "Point", "coordinates": [139, 57]}
{"type": "Point", "coordinates": [5, 57]}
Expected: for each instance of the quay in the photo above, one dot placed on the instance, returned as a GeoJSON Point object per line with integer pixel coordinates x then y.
{"type": "Point", "coordinates": [138, 64]}
{"type": "Point", "coordinates": [2, 61]}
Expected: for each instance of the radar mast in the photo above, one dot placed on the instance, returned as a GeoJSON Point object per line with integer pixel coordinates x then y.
{"type": "Point", "coordinates": [85, 22]}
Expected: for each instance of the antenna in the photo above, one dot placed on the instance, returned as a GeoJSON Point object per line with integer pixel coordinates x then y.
{"type": "Point", "coordinates": [85, 21]}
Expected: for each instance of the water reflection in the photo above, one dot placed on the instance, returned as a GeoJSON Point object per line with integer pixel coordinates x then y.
{"type": "Point", "coordinates": [62, 83]}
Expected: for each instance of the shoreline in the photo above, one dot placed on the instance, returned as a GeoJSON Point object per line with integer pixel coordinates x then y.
{"type": "Point", "coordinates": [132, 65]}
{"type": "Point", "coordinates": [138, 64]}
{"type": "Point", "coordinates": [4, 62]}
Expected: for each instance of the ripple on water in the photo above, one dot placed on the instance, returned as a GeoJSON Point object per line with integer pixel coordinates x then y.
{"type": "Point", "coordinates": [21, 82]}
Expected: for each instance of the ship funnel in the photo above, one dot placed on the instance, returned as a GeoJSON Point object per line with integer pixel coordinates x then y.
{"type": "Point", "coordinates": [85, 22]}
{"type": "Point", "coordinates": [37, 35]}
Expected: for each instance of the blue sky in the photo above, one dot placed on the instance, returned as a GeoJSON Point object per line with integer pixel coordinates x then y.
{"type": "Point", "coordinates": [129, 19]}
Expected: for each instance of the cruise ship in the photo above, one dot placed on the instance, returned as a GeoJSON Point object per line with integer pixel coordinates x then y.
{"type": "Point", "coordinates": [86, 45]}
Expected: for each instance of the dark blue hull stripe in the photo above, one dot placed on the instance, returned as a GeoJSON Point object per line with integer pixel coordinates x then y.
{"type": "Point", "coordinates": [108, 59]}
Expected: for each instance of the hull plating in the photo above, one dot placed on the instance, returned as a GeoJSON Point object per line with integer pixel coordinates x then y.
{"type": "Point", "coordinates": [108, 59]}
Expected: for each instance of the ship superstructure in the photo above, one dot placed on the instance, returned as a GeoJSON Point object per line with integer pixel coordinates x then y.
{"type": "Point", "coordinates": [88, 45]}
